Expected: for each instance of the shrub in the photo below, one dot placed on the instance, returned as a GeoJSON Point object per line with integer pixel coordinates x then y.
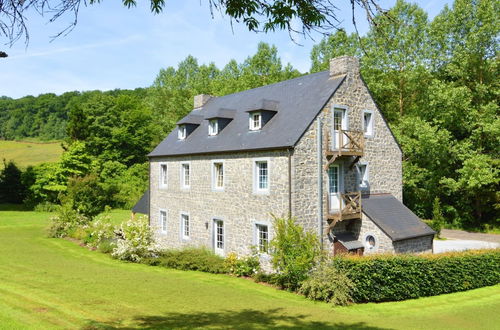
{"type": "Point", "coordinates": [85, 195]}
{"type": "Point", "coordinates": [98, 231]}
{"type": "Point", "coordinates": [245, 266]}
{"type": "Point", "coordinates": [327, 283]}
{"type": "Point", "coordinates": [400, 277]}
{"type": "Point", "coordinates": [190, 259]}
{"type": "Point", "coordinates": [65, 222]}
{"type": "Point", "coordinates": [437, 217]}
{"type": "Point", "coordinates": [46, 207]}
{"type": "Point", "coordinates": [293, 252]}
{"type": "Point", "coordinates": [135, 241]}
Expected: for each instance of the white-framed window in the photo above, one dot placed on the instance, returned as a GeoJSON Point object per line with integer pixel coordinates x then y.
{"type": "Point", "coordinates": [255, 121]}
{"type": "Point", "coordinates": [163, 221]}
{"type": "Point", "coordinates": [185, 175]}
{"type": "Point", "coordinates": [218, 236]}
{"type": "Point", "coordinates": [182, 132]}
{"type": "Point", "coordinates": [363, 176]}
{"type": "Point", "coordinates": [262, 237]}
{"type": "Point", "coordinates": [368, 116]}
{"type": "Point", "coordinates": [213, 127]}
{"type": "Point", "coordinates": [261, 176]}
{"type": "Point", "coordinates": [217, 175]}
{"type": "Point", "coordinates": [370, 242]}
{"type": "Point", "coordinates": [163, 175]}
{"type": "Point", "coordinates": [185, 225]}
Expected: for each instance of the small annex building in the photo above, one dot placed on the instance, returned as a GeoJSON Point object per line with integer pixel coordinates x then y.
{"type": "Point", "coordinates": [314, 147]}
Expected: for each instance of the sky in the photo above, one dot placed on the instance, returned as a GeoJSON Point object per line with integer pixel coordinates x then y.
{"type": "Point", "coordinates": [115, 47]}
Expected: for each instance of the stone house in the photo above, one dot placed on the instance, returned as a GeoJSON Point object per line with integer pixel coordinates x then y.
{"type": "Point", "coordinates": [314, 147]}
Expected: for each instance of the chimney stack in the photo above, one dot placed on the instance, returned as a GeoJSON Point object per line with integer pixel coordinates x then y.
{"type": "Point", "coordinates": [344, 65]}
{"type": "Point", "coordinates": [201, 100]}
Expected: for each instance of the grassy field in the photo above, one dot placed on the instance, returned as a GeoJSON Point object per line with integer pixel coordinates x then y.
{"type": "Point", "coordinates": [29, 153]}
{"type": "Point", "coordinates": [54, 283]}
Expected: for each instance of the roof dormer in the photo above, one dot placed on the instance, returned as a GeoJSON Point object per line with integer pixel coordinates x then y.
{"type": "Point", "coordinates": [261, 113]}
{"type": "Point", "coordinates": [218, 120]}
{"type": "Point", "coordinates": [187, 125]}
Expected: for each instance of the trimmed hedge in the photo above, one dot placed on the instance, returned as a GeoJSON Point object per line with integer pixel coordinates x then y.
{"type": "Point", "coordinates": [189, 259]}
{"type": "Point", "coordinates": [400, 277]}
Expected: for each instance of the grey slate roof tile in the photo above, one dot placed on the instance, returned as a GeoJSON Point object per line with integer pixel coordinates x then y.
{"type": "Point", "coordinates": [142, 206]}
{"type": "Point", "coordinates": [297, 102]}
{"type": "Point", "coordinates": [393, 217]}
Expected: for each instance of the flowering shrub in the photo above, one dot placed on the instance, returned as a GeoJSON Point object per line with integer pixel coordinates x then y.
{"type": "Point", "coordinates": [135, 241]}
{"type": "Point", "coordinates": [246, 266]}
{"type": "Point", "coordinates": [98, 231]}
{"type": "Point", "coordinates": [65, 222]}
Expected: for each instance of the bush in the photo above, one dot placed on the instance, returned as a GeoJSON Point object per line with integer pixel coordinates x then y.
{"type": "Point", "coordinates": [85, 195]}
{"type": "Point", "coordinates": [437, 217]}
{"type": "Point", "coordinates": [293, 252]}
{"type": "Point", "coordinates": [327, 283]}
{"type": "Point", "coordinates": [46, 207]}
{"type": "Point", "coordinates": [98, 231]}
{"type": "Point", "coordinates": [400, 277]}
{"type": "Point", "coordinates": [190, 259]}
{"type": "Point", "coordinates": [135, 241]}
{"type": "Point", "coordinates": [65, 222]}
{"type": "Point", "coordinates": [246, 266]}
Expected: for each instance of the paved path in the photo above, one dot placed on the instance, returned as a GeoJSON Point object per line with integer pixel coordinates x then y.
{"type": "Point", "coordinates": [458, 240]}
{"type": "Point", "coordinates": [460, 234]}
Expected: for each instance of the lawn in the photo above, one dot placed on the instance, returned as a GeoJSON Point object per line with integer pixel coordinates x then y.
{"type": "Point", "coordinates": [54, 283]}
{"type": "Point", "coordinates": [29, 153]}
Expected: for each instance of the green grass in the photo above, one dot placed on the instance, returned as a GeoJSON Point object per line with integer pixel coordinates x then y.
{"type": "Point", "coordinates": [29, 153]}
{"type": "Point", "coordinates": [54, 283]}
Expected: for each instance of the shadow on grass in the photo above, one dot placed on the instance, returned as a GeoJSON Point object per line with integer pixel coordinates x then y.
{"type": "Point", "coordinates": [13, 207]}
{"type": "Point", "coordinates": [245, 319]}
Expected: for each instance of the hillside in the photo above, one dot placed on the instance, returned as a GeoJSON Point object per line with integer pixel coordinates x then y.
{"type": "Point", "coordinates": [29, 153]}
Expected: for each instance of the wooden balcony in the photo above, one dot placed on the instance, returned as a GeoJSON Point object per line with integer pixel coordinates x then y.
{"type": "Point", "coordinates": [349, 208]}
{"type": "Point", "coordinates": [350, 143]}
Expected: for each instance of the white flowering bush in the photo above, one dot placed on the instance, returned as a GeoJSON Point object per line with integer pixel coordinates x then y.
{"type": "Point", "coordinates": [98, 231]}
{"type": "Point", "coordinates": [65, 222]}
{"type": "Point", "coordinates": [135, 241]}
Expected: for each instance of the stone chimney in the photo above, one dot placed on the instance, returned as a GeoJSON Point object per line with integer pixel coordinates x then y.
{"type": "Point", "coordinates": [344, 65]}
{"type": "Point", "coordinates": [201, 100]}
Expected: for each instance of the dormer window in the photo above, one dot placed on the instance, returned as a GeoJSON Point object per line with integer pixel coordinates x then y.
{"type": "Point", "coordinates": [213, 127]}
{"type": "Point", "coordinates": [255, 121]}
{"type": "Point", "coordinates": [182, 132]}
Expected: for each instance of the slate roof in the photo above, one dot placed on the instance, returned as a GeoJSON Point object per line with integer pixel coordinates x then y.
{"type": "Point", "coordinates": [142, 206]}
{"type": "Point", "coordinates": [297, 102]}
{"type": "Point", "coordinates": [348, 240]}
{"type": "Point", "coordinates": [393, 217]}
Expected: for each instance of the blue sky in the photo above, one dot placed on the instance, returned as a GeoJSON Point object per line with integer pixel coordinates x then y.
{"type": "Point", "coordinates": [115, 47]}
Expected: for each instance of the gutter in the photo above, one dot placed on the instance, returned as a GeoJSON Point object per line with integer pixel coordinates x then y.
{"type": "Point", "coordinates": [319, 141]}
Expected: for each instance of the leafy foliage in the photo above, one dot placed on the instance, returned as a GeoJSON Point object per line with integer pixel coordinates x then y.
{"type": "Point", "coordinates": [66, 222]}
{"type": "Point", "coordinates": [327, 283]}
{"type": "Point", "coordinates": [135, 241]}
{"type": "Point", "coordinates": [12, 189]}
{"type": "Point", "coordinates": [242, 266]}
{"type": "Point", "coordinates": [199, 259]}
{"type": "Point", "coordinates": [85, 195]}
{"type": "Point", "coordinates": [294, 252]}
{"type": "Point", "coordinates": [401, 277]}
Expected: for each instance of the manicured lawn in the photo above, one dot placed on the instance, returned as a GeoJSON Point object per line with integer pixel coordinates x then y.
{"type": "Point", "coordinates": [29, 153]}
{"type": "Point", "coordinates": [54, 283]}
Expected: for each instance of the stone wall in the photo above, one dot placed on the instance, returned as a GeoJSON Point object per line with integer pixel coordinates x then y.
{"type": "Point", "coordinates": [422, 244]}
{"type": "Point", "coordinates": [382, 154]}
{"type": "Point", "coordinates": [237, 205]}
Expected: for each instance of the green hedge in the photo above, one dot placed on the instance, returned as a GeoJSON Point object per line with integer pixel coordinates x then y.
{"type": "Point", "coordinates": [400, 277]}
{"type": "Point", "coordinates": [189, 259]}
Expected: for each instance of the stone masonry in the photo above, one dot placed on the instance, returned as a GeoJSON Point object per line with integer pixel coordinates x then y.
{"type": "Point", "coordinates": [240, 208]}
{"type": "Point", "coordinates": [237, 205]}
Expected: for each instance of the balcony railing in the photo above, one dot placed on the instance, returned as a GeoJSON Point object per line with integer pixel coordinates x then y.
{"type": "Point", "coordinates": [350, 143]}
{"type": "Point", "coordinates": [349, 208]}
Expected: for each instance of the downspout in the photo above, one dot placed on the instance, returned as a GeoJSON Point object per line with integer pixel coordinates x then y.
{"type": "Point", "coordinates": [149, 192]}
{"type": "Point", "coordinates": [289, 183]}
{"type": "Point", "coordinates": [319, 141]}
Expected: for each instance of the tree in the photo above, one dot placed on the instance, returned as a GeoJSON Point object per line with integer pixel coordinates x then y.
{"type": "Point", "coordinates": [256, 15]}
{"type": "Point", "coordinates": [11, 188]}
